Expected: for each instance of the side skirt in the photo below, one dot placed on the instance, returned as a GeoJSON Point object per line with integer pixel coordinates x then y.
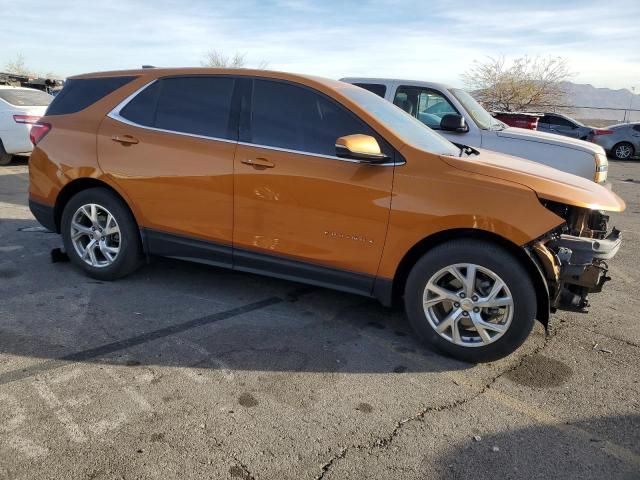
{"type": "Point", "coordinates": [210, 253]}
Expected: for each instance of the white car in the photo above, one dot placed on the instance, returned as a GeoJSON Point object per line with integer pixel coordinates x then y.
{"type": "Point", "coordinates": [458, 117]}
{"type": "Point", "coordinates": [19, 109]}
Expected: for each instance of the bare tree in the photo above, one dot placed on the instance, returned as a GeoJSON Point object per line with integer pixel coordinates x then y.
{"type": "Point", "coordinates": [17, 66]}
{"type": "Point", "coordinates": [519, 85]}
{"type": "Point", "coordinates": [217, 58]}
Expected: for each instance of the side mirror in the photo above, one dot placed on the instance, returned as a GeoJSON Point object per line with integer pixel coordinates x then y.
{"type": "Point", "coordinates": [363, 148]}
{"type": "Point", "coordinates": [453, 122]}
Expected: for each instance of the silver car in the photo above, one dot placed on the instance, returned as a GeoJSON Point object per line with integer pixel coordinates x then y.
{"type": "Point", "coordinates": [563, 125]}
{"type": "Point", "coordinates": [620, 141]}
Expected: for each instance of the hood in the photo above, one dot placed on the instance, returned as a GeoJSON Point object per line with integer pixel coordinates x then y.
{"type": "Point", "coordinates": [549, 138]}
{"type": "Point", "coordinates": [547, 182]}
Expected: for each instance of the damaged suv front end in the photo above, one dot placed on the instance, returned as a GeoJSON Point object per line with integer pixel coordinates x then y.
{"type": "Point", "coordinates": [574, 256]}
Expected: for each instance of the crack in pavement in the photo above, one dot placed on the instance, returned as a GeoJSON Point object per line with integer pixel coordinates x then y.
{"type": "Point", "coordinates": [384, 442]}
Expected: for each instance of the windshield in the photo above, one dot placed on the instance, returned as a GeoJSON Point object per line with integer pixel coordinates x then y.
{"type": "Point", "coordinates": [406, 127]}
{"type": "Point", "coordinates": [483, 119]}
{"type": "Point", "coordinates": [25, 98]}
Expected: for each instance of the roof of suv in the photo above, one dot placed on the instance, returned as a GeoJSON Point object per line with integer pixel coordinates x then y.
{"type": "Point", "coordinates": [161, 72]}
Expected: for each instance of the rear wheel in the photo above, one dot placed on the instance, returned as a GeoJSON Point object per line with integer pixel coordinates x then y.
{"type": "Point", "coordinates": [471, 299]}
{"type": "Point", "coordinates": [5, 158]}
{"type": "Point", "coordinates": [623, 151]}
{"type": "Point", "coordinates": [100, 235]}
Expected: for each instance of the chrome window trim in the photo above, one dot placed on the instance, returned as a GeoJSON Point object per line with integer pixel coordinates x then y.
{"type": "Point", "coordinates": [114, 114]}
{"type": "Point", "coordinates": [320, 155]}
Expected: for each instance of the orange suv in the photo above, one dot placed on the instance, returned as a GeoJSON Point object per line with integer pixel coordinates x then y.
{"type": "Point", "coordinates": [322, 182]}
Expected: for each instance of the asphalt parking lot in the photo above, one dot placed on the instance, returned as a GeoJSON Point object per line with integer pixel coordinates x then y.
{"type": "Point", "coordinates": [186, 371]}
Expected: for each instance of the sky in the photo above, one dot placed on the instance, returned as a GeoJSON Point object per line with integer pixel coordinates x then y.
{"type": "Point", "coordinates": [429, 40]}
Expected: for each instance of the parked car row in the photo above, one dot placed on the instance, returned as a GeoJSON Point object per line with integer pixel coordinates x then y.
{"type": "Point", "coordinates": [322, 182]}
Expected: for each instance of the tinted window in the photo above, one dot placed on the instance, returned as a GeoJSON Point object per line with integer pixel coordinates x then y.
{"type": "Point", "coordinates": [78, 94]}
{"type": "Point", "coordinates": [142, 109]}
{"type": "Point", "coordinates": [196, 105]}
{"type": "Point", "coordinates": [376, 88]}
{"type": "Point", "coordinates": [636, 128]}
{"type": "Point", "coordinates": [296, 118]}
{"type": "Point", "coordinates": [25, 98]}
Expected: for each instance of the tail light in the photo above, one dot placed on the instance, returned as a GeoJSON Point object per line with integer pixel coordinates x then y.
{"type": "Point", "coordinates": [599, 131]}
{"type": "Point", "coordinates": [28, 119]}
{"type": "Point", "coordinates": [38, 132]}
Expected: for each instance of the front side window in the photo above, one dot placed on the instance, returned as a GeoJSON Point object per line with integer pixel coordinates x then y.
{"type": "Point", "coordinates": [636, 128]}
{"type": "Point", "coordinates": [407, 128]}
{"type": "Point", "coordinates": [196, 105]}
{"type": "Point", "coordinates": [296, 118]}
{"type": "Point", "coordinates": [428, 106]}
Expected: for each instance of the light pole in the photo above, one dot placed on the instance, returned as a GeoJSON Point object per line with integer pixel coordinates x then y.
{"type": "Point", "coordinates": [633, 94]}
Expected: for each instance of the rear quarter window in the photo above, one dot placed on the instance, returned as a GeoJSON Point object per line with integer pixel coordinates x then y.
{"type": "Point", "coordinates": [376, 88]}
{"type": "Point", "coordinates": [80, 93]}
{"type": "Point", "coordinates": [25, 98]}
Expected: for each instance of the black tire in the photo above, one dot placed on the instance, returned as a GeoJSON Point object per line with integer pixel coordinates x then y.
{"type": "Point", "coordinates": [489, 256]}
{"type": "Point", "coordinates": [5, 158]}
{"type": "Point", "coordinates": [129, 258]}
{"type": "Point", "coordinates": [616, 155]}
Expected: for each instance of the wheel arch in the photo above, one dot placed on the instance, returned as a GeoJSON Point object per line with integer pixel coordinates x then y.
{"type": "Point", "coordinates": [78, 185]}
{"type": "Point", "coordinates": [391, 291]}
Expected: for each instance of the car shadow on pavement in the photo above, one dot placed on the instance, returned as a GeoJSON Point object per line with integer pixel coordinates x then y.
{"type": "Point", "coordinates": [182, 314]}
{"type": "Point", "coordinates": [570, 450]}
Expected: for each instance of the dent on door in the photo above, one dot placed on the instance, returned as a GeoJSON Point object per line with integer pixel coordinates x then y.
{"type": "Point", "coordinates": [324, 211]}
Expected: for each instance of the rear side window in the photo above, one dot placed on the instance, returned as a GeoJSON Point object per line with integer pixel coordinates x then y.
{"type": "Point", "coordinates": [25, 98]}
{"type": "Point", "coordinates": [376, 88]}
{"type": "Point", "coordinates": [636, 128]}
{"type": "Point", "coordinates": [296, 118]}
{"type": "Point", "coordinates": [196, 105]}
{"type": "Point", "coordinates": [79, 93]}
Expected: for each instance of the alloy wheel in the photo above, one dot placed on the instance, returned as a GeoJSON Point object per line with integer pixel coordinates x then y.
{"type": "Point", "coordinates": [468, 305]}
{"type": "Point", "coordinates": [95, 235]}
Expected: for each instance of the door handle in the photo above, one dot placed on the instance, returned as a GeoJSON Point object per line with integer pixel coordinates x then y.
{"type": "Point", "coordinates": [125, 139]}
{"type": "Point", "coordinates": [259, 163]}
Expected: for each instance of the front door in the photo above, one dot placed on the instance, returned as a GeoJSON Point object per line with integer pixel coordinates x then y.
{"type": "Point", "coordinates": [171, 151]}
{"type": "Point", "coordinates": [300, 211]}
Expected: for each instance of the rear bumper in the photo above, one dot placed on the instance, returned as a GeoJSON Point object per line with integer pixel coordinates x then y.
{"type": "Point", "coordinates": [45, 214]}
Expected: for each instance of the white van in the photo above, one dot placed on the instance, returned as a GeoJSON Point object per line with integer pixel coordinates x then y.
{"type": "Point", "coordinates": [457, 116]}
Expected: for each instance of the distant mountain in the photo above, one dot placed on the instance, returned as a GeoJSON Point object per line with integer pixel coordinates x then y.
{"type": "Point", "coordinates": [583, 95]}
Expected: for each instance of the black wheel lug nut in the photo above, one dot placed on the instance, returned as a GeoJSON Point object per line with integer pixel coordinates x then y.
{"type": "Point", "coordinates": [476, 309]}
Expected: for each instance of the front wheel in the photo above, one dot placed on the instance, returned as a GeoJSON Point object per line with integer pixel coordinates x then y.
{"type": "Point", "coordinates": [471, 299]}
{"type": "Point", "coordinates": [100, 234]}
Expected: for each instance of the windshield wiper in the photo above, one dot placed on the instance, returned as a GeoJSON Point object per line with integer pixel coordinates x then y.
{"type": "Point", "coordinates": [466, 149]}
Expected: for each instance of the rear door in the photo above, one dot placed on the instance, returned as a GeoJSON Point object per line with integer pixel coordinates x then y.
{"type": "Point", "coordinates": [300, 211]}
{"type": "Point", "coordinates": [171, 150]}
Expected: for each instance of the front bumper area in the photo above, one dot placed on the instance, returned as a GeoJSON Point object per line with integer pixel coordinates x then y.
{"type": "Point", "coordinates": [576, 266]}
